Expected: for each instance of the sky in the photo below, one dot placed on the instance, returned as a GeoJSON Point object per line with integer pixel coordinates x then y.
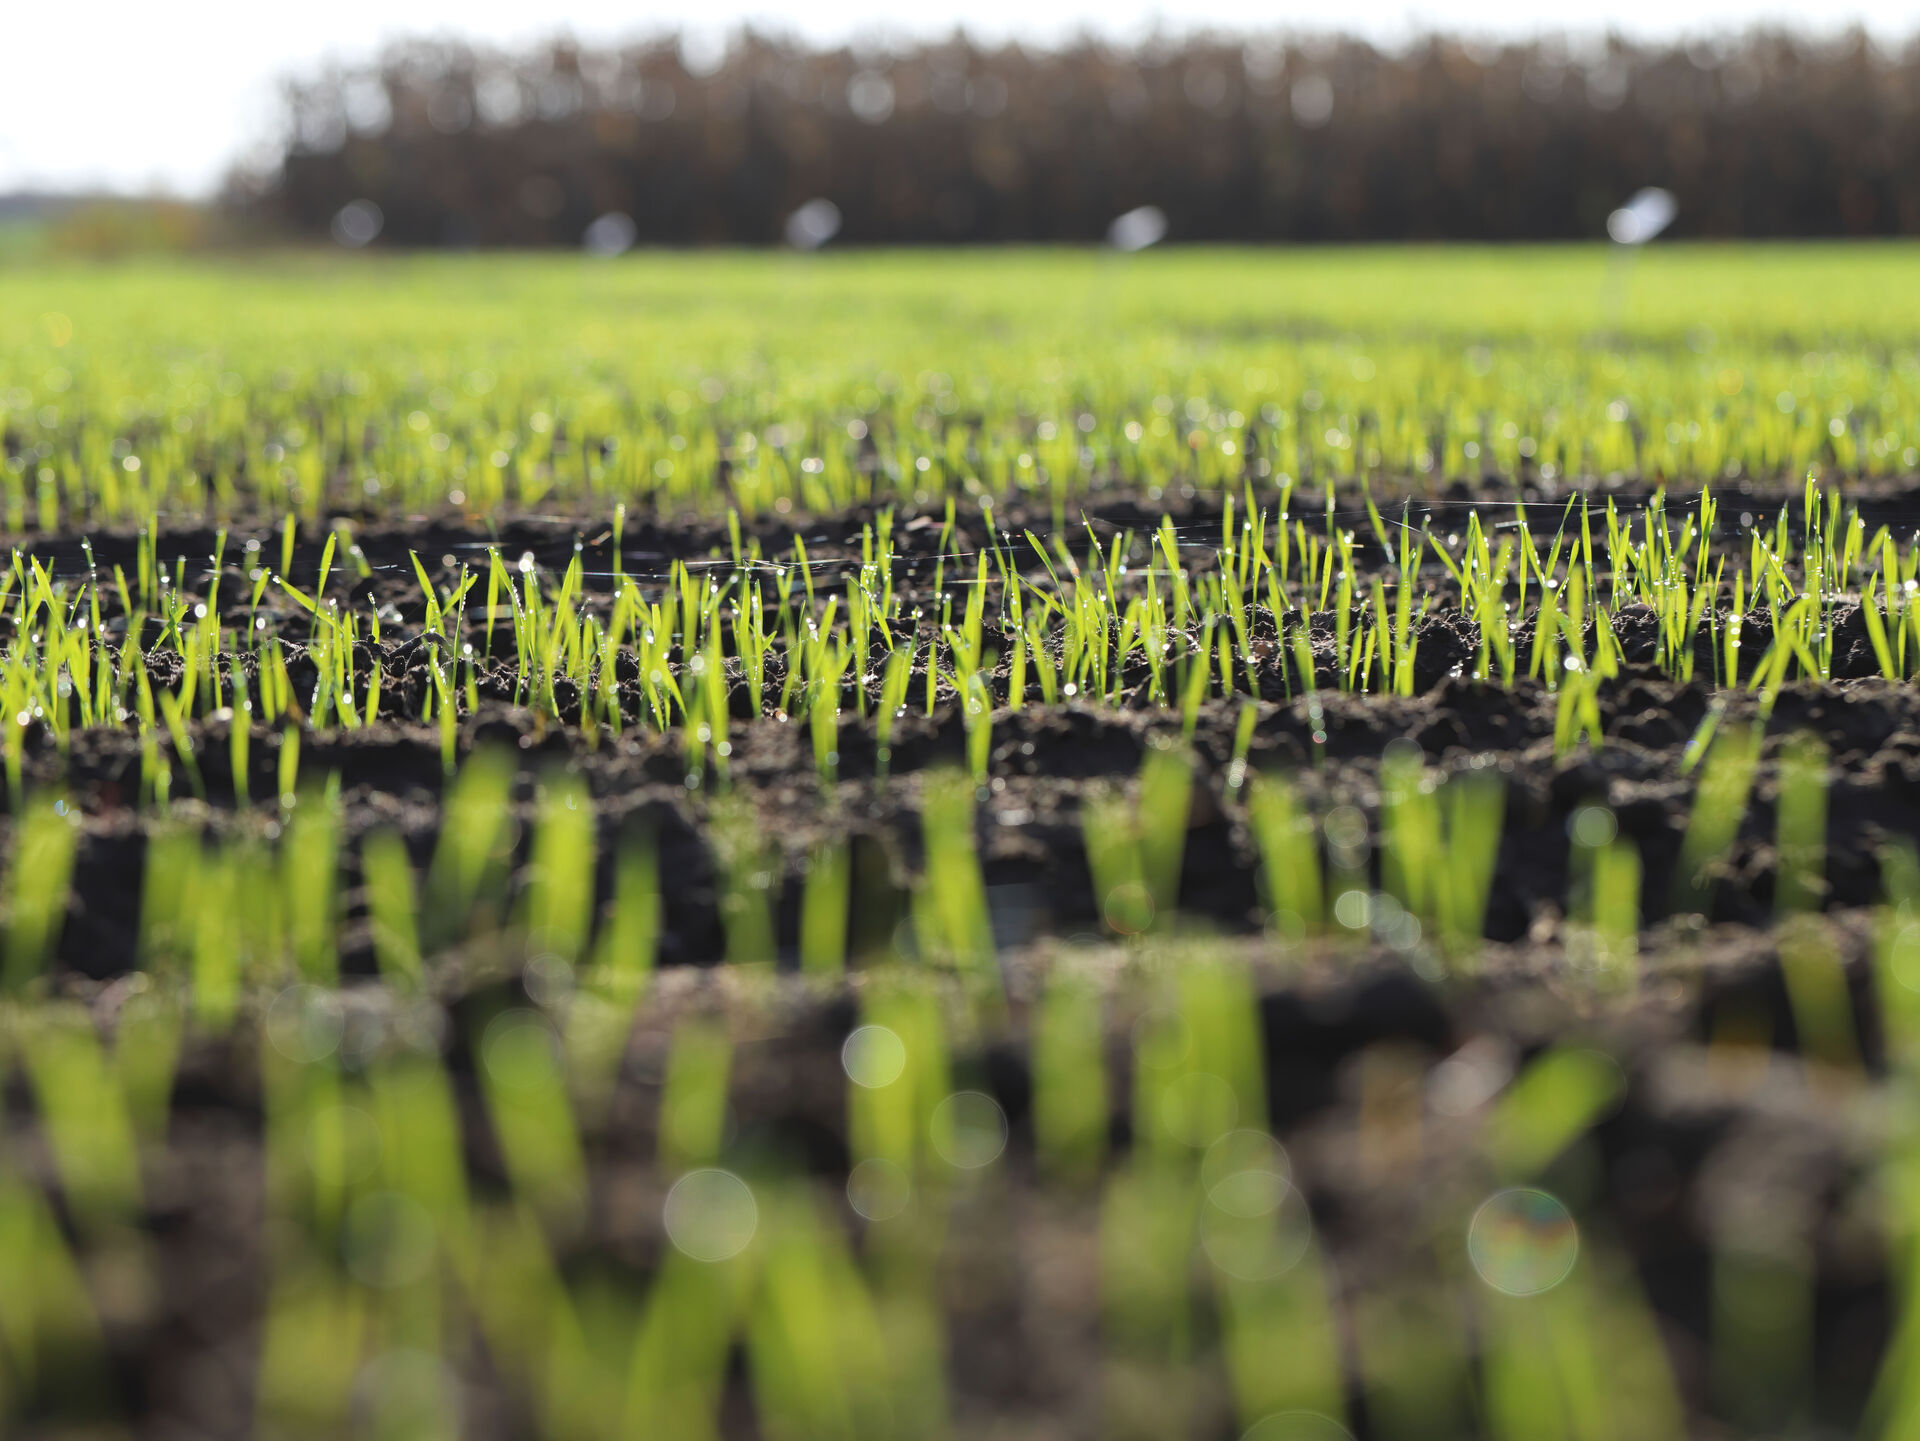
{"type": "Point", "coordinates": [131, 95]}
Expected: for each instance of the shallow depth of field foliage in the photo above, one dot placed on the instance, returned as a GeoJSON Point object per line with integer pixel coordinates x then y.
{"type": "Point", "coordinates": [1330, 648]}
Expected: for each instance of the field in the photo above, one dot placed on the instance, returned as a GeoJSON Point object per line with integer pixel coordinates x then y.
{"type": "Point", "coordinates": [1210, 844]}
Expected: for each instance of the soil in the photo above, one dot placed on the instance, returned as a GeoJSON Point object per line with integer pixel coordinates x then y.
{"type": "Point", "coordinates": [1718, 1104]}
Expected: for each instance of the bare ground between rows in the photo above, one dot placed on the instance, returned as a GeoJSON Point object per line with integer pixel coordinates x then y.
{"type": "Point", "coordinates": [652, 534]}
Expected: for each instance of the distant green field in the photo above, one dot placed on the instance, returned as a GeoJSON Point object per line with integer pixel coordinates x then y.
{"type": "Point", "coordinates": [251, 378]}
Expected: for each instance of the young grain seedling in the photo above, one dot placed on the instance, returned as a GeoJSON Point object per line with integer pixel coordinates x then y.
{"type": "Point", "coordinates": [629, 938]}
{"type": "Point", "coordinates": [1134, 849]}
{"type": "Point", "coordinates": [951, 917]}
{"type": "Point", "coordinates": [37, 886]}
{"type": "Point", "coordinates": [1719, 803]}
{"type": "Point", "coordinates": [83, 1110]}
{"type": "Point", "coordinates": [893, 701]}
{"type": "Point", "coordinates": [1070, 1119]}
{"type": "Point", "coordinates": [559, 894]}
{"type": "Point", "coordinates": [391, 908]}
{"type": "Point", "coordinates": [814, 1342]}
{"type": "Point", "coordinates": [469, 867]}
{"type": "Point", "coordinates": [1289, 857]}
{"type": "Point", "coordinates": [55, 1350]}
{"type": "Point", "coordinates": [521, 1073]}
{"type": "Point", "coordinates": [531, 1323]}
{"type": "Point", "coordinates": [218, 958]}
{"type": "Point", "coordinates": [146, 1053]}
{"type": "Point", "coordinates": [1897, 954]}
{"type": "Point", "coordinates": [1147, 1324]}
{"type": "Point", "coordinates": [1548, 1107]}
{"type": "Point", "coordinates": [823, 908]}
{"type": "Point", "coordinates": [693, 1104]}
{"type": "Point", "coordinates": [677, 1370]}
{"type": "Point", "coordinates": [1583, 1357]}
{"type": "Point", "coordinates": [309, 879]}
{"type": "Point", "coordinates": [749, 873]}
{"type": "Point", "coordinates": [311, 1350]}
{"type": "Point", "coordinates": [1810, 963]}
{"type": "Point", "coordinates": [900, 1183]}
{"type": "Point", "coordinates": [599, 1013]}
{"type": "Point", "coordinates": [1604, 904]}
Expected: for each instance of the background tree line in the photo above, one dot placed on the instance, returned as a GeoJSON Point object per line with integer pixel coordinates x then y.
{"type": "Point", "coordinates": [1236, 140]}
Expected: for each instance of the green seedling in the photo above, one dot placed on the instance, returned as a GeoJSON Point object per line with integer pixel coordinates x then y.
{"type": "Point", "coordinates": [84, 1111]}
{"type": "Point", "coordinates": [600, 1015]}
{"type": "Point", "coordinates": [468, 869]}
{"type": "Point", "coordinates": [1289, 857]}
{"type": "Point", "coordinates": [146, 1053]}
{"type": "Point", "coordinates": [1147, 1323]}
{"type": "Point", "coordinates": [1603, 905]}
{"type": "Point", "coordinates": [311, 1351]}
{"type": "Point", "coordinates": [317, 1138]}
{"type": "Point", "coordinates": [629, 937]}
{"type": "Point", "coordinates": [166, 918]}
{"type": "Point", "coordinates": [309, 881]}
{"type": "Point", "coordinates": [1583, 1358]}
{"type": "Point", "coordinates": [392, 908]}
{"type": "Point", "coordinates": [1134, 849]}
{"type": "Point", "coordinates": [1166, 784]}
{"type": "Point", "coordinates": [1278, 1335]}
{"type": "Point", "coordinates": [240, 737]}
{"type": "Point", "coordinates": [565, 1348]}
{"type": "Point", "coordinates": [749, 876]}
{"type": "Point", "coordinates": [1109, 828]}
{"type": "Point", "coordinates": [693, 1106]}
{"type": "Point", "coordinates": [814, 1341]}
{"type": "Point", "coordinates": [679, 1360]}
{"type": "Point", "coordinates": [1198, 1068]}
{"type": "Point", "coordinates": [524, 1081]}
{"type": "Point", "coordinates": [1810, 962]}
{"type": "Point", "coordinates": [55, 1349]}
{"type": "Point", "coordinates": [894, 1103]}
{"type": "Point", "coordinates": [38, 884]}
{"type": "Point", "coordinates": [824, 909]}
{"type": "Point", "coordinates": [952, 919]}
{"type": "Point", "coordinates": [1719, 803]}
{"type": "Point", "coordinates": [1800, 842]}
{"type": "Point", "coordinates": [1475, 805]}
{"type": "Point", "coordinates": [418, 1124]}
{"type": "Point", "coordinates": [1897, 953]}
{"type": "Point", "coordinates": [1548, 1107]}
{"type": "Point", "coordinates": [1070, 1119]}
{"type": "Point", "coordinates": [218, 958]}
{"type": "Point", "coordinates": [287, 768]}
{"type": "Point", "coordinates": [559, 891]}
{"type": "Point", "coordinates": [893, 699]}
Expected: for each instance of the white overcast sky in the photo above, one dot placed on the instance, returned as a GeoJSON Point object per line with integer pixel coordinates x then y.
{"type": "Point", "coordinates": [139, 95]}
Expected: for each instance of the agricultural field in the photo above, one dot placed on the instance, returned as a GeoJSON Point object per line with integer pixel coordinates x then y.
{"type": "Point", "coordinates": [1209, 844]}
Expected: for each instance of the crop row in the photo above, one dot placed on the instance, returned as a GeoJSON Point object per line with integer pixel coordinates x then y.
{"type": "Point", "coordinates": [390, 445]}
{"type": "Point", "coordinates": [1281, 605]}
{"type": "Point", "coordinates": [384, 1254]}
